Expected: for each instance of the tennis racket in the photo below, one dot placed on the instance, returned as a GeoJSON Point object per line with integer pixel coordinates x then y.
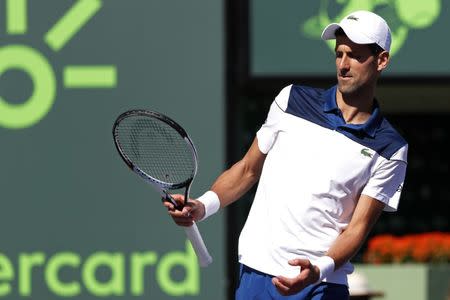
{"type": "Point", "coordinates": [159, 150]}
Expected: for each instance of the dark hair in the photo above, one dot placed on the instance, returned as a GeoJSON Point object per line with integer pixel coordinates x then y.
{"type": "Point", "coordinates": [375, 49]}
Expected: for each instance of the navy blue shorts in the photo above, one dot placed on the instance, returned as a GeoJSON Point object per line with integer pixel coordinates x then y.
{"type": "Point", "coordinates": [255, 285]}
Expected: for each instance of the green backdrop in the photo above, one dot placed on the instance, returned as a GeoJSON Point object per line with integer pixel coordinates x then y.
{"type": "Point", "coordinates": [285, 37]}
{"type": "Point", "coordinates": [75, 223]}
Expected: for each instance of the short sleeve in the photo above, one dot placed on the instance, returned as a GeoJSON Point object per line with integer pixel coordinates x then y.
{"type": "Point", "coordinates": [387, 180]}
{"type": "Point", "coordinates": [268, 132]}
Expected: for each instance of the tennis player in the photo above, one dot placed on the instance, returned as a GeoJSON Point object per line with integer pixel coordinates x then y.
{"type": "Point", "coordinates": [328, 163]}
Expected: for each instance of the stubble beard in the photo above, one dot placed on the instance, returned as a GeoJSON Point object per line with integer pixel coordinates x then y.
{"type": "Point", "coordinates": [348, 88]}
{"type": "Point", "coordinates": [351, 88]}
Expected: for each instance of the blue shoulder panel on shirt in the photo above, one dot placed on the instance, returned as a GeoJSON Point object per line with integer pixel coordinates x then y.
{"type": "Point", "coordinates": [309, 103]}
{"type": "Point", "coordinates": [387, 140]}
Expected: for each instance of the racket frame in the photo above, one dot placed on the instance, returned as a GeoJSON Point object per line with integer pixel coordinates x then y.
{"type": "Point", "coordinates": [163, 187]}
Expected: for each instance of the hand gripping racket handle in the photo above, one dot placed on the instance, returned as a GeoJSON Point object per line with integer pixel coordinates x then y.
{"type": "Point", "coordinates": [193, 234]}
{"type": "Point", "coordinates": [197, 243]}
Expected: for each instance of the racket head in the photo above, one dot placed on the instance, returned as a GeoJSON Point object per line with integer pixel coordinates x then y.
{"type": "Point", "coordinates": [156, 147]}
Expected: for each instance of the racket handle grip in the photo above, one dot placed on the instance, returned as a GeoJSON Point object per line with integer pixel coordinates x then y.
{"type": "Point", "coordinates": [197, 243]}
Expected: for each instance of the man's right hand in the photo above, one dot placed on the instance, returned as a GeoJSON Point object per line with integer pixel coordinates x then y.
{"type": "Point", "coordinates": [192, 211]}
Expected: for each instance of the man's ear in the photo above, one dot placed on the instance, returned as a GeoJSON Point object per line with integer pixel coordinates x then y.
{"type": "Point", "coordinates": [383, 60]}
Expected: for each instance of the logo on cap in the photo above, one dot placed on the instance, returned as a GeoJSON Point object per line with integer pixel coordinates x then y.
{"type": "Point", "coordinates": [353, 18]}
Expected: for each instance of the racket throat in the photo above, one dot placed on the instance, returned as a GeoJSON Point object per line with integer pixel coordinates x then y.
{"type": "Point", "coordinates": [167, 197]}
{"type": "Point", "coordinates": [187, 192]}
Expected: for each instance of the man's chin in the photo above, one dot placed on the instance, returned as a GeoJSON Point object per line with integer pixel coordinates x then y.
{"type": "Point", "coordinates": [346, 89]}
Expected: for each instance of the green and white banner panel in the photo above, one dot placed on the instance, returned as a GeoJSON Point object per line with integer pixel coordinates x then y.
{"type": "Point", "coordinates": [75, 222]}
{"type": "Point", "coordinates": [285, 36]}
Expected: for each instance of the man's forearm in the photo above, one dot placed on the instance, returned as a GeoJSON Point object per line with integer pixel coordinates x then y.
{"type": "Point", "coordinates": [233, 183]}
{"type": "Point", "coordinates": [345, 247]}
{"type": "Point", "coordinates": [237, 180]}
{"type": "Point", "coordinates": [350, 241]}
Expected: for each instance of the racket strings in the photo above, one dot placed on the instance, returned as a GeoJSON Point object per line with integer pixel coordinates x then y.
{"type": "Point", "coordinates": [157, 149]}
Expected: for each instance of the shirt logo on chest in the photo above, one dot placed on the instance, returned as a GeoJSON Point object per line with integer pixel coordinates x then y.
{"type": "Point", "coordinates": [366, 152]}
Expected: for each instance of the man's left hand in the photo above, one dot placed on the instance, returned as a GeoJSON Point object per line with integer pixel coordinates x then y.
{"type": "Point", "coordinates": [289, 286]}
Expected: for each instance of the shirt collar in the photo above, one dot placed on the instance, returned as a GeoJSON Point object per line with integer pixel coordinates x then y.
{"type": "Point", "coordinates": [369, 127]}
{"type": "Point", "coordinates": [330, 104]}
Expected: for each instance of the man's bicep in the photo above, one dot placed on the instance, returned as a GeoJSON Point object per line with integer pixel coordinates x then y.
{"type": "Point", "coordinates": [386, 184]}
{"type": "Point", "coordinates": [255, 158]}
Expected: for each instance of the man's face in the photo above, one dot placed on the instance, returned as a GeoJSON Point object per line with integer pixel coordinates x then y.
{"type": "Point", "coordinates": [357, 68]}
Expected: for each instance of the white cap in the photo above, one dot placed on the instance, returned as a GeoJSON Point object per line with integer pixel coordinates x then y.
{"type": "Point", "coordinates": [358, 285]}
{"type": "Point", "coordinates": [362, 27]}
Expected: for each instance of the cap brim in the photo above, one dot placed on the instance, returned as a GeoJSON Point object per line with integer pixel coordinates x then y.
{"type": "Point", "coordinates": [328, 32]}
{"type": "Point", "coordinates": [354, 35]}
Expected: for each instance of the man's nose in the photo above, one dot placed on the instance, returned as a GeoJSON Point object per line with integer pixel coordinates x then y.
{"type": "Point", "coordinates": [344, 63]}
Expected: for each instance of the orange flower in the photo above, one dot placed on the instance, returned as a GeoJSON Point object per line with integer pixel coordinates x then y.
{"type": "Point", "coordinates": [401, 249]}
{"type": "Point", "coordinates": [428, 247]}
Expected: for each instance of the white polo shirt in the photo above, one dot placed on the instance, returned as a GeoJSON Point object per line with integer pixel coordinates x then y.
{"type": "Point", "coordinates": [316, 168]}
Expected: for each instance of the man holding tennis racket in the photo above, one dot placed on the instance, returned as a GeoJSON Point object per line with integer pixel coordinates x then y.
{"type": "Point", "coordinates": [328, 163]}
